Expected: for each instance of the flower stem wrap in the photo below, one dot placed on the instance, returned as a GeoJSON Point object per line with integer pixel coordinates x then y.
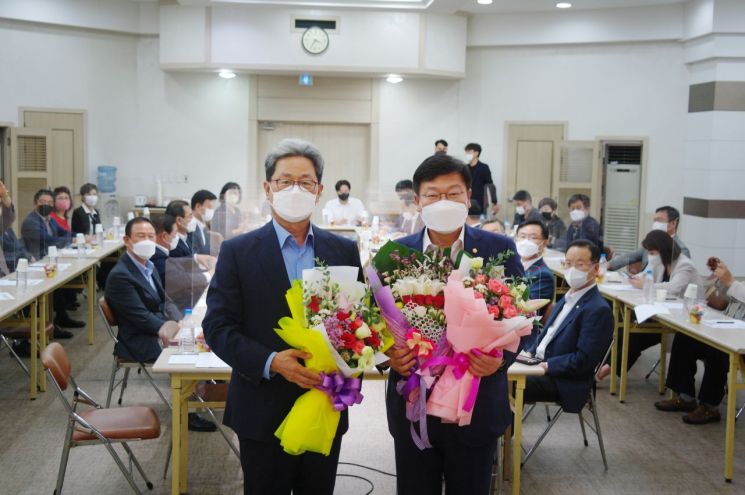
{"type": "Point", "coordinates": [311, 424]}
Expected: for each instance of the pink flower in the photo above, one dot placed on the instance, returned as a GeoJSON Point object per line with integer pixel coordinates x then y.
{"type": "Point", "coordinates": [505, 302]}
{"type": "Point", "coordinates": [497, 287]}
{"type": "Point", "coordinates": [480, 279]}
{"type": "Point", "coordinates": [494, 311]}
{"type": "Point", "coordinates": [510, 312]}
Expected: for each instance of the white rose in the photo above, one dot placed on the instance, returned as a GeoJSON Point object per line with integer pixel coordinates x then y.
{"type": "Point", "coordinates": [363, 332]}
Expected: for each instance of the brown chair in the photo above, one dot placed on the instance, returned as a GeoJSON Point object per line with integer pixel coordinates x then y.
{"type": "Point", "coordinates": [20, 333]}
{"type": "Point", "coordinates": [609, 252]}
{"type": "Point", "coordinates": [96, 425]}
{"type": "Point", "coordinates": [119, 363]}
{"type": "Point", "coordinates": [547, 313]}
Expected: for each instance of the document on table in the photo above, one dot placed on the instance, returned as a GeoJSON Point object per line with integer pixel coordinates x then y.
{"type": "Point", "coordinates": [183, 359]}
{"type": "Point", "coordinates": [39, 267]}
{"type": "Point", "coordinates": [210, 360]}
{"type": "Point", "coordinates": [644, 312]}
{"type": "Point", "coordinates": [6, 296]}
{"type": "Point", "coordinates": [12, 283]}
{"type": "Point", "coordinates": [724, 323]}
{"type": "Point", "coordinates": [618, 287]}
{"type": "Point", "coordinates": [74, 252]}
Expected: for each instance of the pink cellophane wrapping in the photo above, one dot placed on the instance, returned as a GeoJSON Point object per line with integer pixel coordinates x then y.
{"type": "Point", "coordinates": [469, 326]}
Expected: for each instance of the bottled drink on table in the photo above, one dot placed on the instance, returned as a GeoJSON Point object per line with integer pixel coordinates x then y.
{"type": "Point", "coordinates": [80, 241]}
{"type": "Point", "coordinates": [99, 234]}
{"type": "Point", "coordinates": [22, 274]}
{"type": "Point", "coordinates": [187, 341]}
{"type": "Point", "coordinates": [603, 268]}
{"type": "Point", "coordinates": [649, 294]}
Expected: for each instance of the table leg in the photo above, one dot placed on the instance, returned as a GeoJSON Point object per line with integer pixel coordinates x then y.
{"type": "Point", "coordinates": [663, 364]}
{"type": "Point", "coordinates": [42, 325]}
{"type": "Point", "coordinates": [613, 350]}
{"type": "Point", "coordinates": [184, 450]}
{"type": "Point", "coordinates": [175, 434]}
{"type": "Point", "coordinates": [91, 289]}
{"type": "Point", "coordinates": [517, 454]}
{"type": "Point", "coordinates": [729, 441]}
{"type": "Point", "coordinates": [33, 378]}
{"type": "Point", "coordinates": [625, 351]}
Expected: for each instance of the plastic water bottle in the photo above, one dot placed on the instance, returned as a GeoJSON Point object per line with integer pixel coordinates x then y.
{"type": "Point", "coordinates": [648, 286]}
{"type": "Point", "coordinates": [690, 297]}
{"type": "Point", "coordinates": [507, 226]}
{"type": "Point", "coordinates": [22, 274]}
{"type": "Point", "coordinates": [146, 212]}
{"type": "Point", "coordinates": [603, 268]}
{"type": "Point", "coordinates": [99, 234]}
{"type": "Point", "coordinates": [80, 241]}
{"type": "Point", "coordinates": [187, 340]}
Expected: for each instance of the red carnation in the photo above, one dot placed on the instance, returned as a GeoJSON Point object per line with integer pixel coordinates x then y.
{"type": "Point", "coordinates": [406, 299]}
{"type": "Point", "coordinates": [439, 301]}
{"type": "Point", "coordinates": [373, 341]}
{"type": "Point", "coordinates": [341, 315]}
{"type": "Point", "coordinates": [355, 324]}
{"type": "Point", "coordinates": [428, 300]}
{"type": "Point", "coordinates": [348, 340]}
{"type": "Point", "coordinates": [419, 299]}
{"type": "Point", "coordinates": [314, 304]}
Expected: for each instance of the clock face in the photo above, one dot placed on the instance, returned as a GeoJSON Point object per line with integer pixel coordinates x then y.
{"type": "Point", "coordinates": [315, 40]}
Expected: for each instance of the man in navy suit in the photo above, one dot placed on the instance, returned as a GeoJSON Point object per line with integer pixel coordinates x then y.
{"type": "Point", "coordinates": [145, 315]}
{"type": "Point", "coordinates": [576, 336]}
{"type": "Point", "coordinates": [203, 209]}
{"type": "Point", "coordinates": [245, 301]}
{"type": "Point", "coordinates": [185, 225]}
{"type": "Point", "coordinates": [462, 454]}
{"type": "Point", "coordinates": [38, 232]}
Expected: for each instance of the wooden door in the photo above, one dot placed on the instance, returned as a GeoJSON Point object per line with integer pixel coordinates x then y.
{"type": "Point", "coordinates": [579, 172]}
{"type": "Point", "coordinates": [532, 157]}
{"type": "Point", "coordinates": [30, 168]}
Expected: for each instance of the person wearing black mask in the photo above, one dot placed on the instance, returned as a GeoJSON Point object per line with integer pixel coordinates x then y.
{"type": "Point", "coordinates": [38, 232]}
{"type": "Point", "coordinates": [556, 227]}
{"type": "Point", "coordinates": [344, 210]}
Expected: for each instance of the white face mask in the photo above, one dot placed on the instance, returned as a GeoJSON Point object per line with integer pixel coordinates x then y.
{"type": "Point", "coordinates": [575, 278]}
{"type": "Point", "coordinates": [144, 249]}
{"type": "Point", "coordinates": [208, 214]}
{"type": "Point", "coordinates": [469, 157]}
{"type": "Point", "coordinates": [527, 248]}
{"type": "Point", "coordinates": [293, 204]}
{"type": "Point", "coordinates": [444, 216]}
{"type": "Point", "coordinates": [654, 260]}
{"type": "Point", "coordinates": [232, 198]}
{"type": "Point", "coordinates": [174, 242]}
{"type": "Point", "coordinates": [192, 225]}
{"type": "Point", "coordinates": [520, 210]}
{"type": "Point", "coordinates": [91, 200]}
{"type": "Point", "coordinates": [577, 215]}
{"type": "Point", "coordinates": [660, 226]}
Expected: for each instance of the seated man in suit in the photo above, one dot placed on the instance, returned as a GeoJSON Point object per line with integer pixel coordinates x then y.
{"type": "Point", "coordinates": [576, 336]}
{"type": "Point", "coordinates": [184, 281]}
{"type": "Point", "coordinates": [245, 301]}
{"type": "Point", "coordinates": [463, 455]}
{"type": "Point", "coordinates": [146, 316]}
{"type": "Point", "coordinates": [583, 226]}
{"type": "Point", "coordinates": [38, 232]}
{"type": "Point", "coordinates": [186, 224]}
{"type": "Point", "coordinates": [203, 210]}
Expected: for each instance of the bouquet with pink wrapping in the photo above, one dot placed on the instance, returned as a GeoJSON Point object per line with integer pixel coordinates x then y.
{"type": "Point", "coordinates": [484, 312]}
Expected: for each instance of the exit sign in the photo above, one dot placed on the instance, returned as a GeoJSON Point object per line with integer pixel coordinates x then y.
{"type": "Point", "coordinates": [305, 80]}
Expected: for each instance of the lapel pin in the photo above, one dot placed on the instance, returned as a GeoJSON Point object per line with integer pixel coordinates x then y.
{"type": "Point", "coordinates": [474, 250]}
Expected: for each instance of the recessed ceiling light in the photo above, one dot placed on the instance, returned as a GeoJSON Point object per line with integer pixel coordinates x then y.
{"type": "Point", "coordinates": [484, 2]}
{"type": "Point", "coordinates": [563, 5]}
{"type": "Point", "coordinates": [394, 78]}
{"type": "Point", "coordinates": [226, 74]}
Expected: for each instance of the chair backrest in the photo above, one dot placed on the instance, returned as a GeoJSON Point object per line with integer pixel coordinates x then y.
{"type": "Point", "coordinates": [547, 313]}
{"type": "Point", "coordinates": [109, 319]}
{"type": "Point", "coordinates": [54, 358]}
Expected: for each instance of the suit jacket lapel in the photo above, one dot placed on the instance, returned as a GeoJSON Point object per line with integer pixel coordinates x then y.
{"type": "Point", "coordinates": [137, 274]}
{"type": "Point", "coordinates": [271, 260]}
{"type": "Point", "coordinates": [573, 314]}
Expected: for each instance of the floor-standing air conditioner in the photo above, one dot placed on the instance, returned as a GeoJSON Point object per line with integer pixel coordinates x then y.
{"type": "Point", "coordinates": [621, 211]}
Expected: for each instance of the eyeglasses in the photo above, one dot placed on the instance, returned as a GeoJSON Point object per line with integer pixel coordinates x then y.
{"type": "Point", "coordinates": [305, 184]}
{"type": "Point", "coordinates": [580, 265]}
{"type": "Point", "coordinates": [536, 238]}
{"type": "Point", "coordinates": [452, 196]}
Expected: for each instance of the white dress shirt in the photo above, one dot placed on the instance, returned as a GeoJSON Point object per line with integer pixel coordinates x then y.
{"type": "Point", "coordinates": [571, 299]}
{"type": "Point", "coordinates": [351, 211]}
{"type": "Point", "coordinates": [529, 263]}
{"type": "Point", "coordinates": [457, 247]}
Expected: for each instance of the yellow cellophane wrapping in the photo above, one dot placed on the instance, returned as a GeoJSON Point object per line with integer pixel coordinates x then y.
{"type": "Point", "coordinates": [311, 424]}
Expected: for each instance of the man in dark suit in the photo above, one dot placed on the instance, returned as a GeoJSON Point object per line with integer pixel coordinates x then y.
{"type": "Point", "coordinates": [184, 281]}
{"type": "Point", "coordinates": [38, 232]}
{"type": "Point", "coordinates": [576, 336]}
{"type": "Point", "coordinates": [531, 240]}
{"type": "Point", "coordinates": [146, 316]}
{"type": "Point", "coordinates": [245, 301]}
{"type": "Point", "coordinates": [462, 454]}
{"type": "Point", "coordinates": [583, 226]}
{"type": "Point", "coordinates": [203, 209]}
{"type": "Point", "coordinates": [185, 225]}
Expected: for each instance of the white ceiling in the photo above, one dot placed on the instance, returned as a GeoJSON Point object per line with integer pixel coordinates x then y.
{"type": "Point", "coordinates": [446, 6]}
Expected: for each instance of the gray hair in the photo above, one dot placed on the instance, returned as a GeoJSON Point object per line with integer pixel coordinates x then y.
{"type": "Point", "coordinates": [294, 147]}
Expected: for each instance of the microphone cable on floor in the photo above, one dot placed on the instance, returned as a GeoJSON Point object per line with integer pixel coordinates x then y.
{"type": "Point", "coordinates": [361, 466]}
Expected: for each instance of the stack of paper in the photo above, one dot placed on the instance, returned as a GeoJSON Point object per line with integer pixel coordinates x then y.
{"type": "Point", "coordinates": [210, 360]}
{"type": "Point", "coordinates": [723, 323]}
{"type": "Point", "coordinates": [644, 312]}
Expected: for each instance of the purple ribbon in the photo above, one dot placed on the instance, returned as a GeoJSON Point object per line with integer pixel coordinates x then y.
{"type": "Point", "coordinates": [343, 392]}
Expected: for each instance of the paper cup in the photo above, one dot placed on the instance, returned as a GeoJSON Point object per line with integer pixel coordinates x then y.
{"type": "Point", "coordinates": [22, 265]}
{"type": "Point", "coordinates": [99, 228]}
{"type": "Point", "coordinates": [691, 291]}
{"type": "Point", "coordinates": [661, 295]}
{"type": "Point", "coordinates": [117, 221]}
{"type": "Point", "coordinates": [52, 251]}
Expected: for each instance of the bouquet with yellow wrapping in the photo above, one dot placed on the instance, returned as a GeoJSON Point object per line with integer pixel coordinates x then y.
{"type": "Point", "coordinates": [334, 321]}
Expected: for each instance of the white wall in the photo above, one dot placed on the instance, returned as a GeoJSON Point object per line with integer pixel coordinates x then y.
{"type": "Point", "coordinates": [140, 119]}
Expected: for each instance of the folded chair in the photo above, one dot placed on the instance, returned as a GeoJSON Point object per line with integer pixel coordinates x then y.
{"type": "Point", "coordinates": [97, 425]}
{"type": "Point", "coordinates": [19, 333]}
{"type": "Point", "coordinates": [591, 405]}
{"type": "Point", "coordinates": [120, 363]}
